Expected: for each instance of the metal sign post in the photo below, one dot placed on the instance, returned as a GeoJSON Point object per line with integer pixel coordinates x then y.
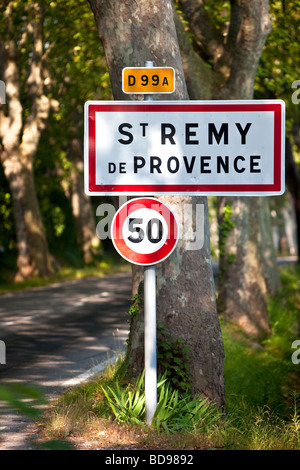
{"type": "Point", "coordinates": [150, 327]}
{"type": "Point", "coordinates": [145, 231]}
{"type": "Point", "coordinates": [150, 342]}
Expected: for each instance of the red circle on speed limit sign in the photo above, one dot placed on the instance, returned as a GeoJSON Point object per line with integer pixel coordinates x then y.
{"type": "Point", "coordinates": [144, 231]}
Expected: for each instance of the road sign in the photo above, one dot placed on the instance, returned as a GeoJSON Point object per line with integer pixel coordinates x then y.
{"type": "Point", "coordinates": [144, 231]}
{"type": "Point", "coordinates": [145, 80]}
{"type": "Point", "coordinates": [184, 147]}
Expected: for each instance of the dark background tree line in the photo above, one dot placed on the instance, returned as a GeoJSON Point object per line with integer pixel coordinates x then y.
{"type": "Point", "coordinates": [52, 62]}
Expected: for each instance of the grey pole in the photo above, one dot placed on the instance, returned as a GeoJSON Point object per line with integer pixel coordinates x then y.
{"type": "Point", "coordinates": [150, 342]}
{"type": "Point", "coordinates": [148, 63]}
{"type": "Point", "coordinates": [150, 328]}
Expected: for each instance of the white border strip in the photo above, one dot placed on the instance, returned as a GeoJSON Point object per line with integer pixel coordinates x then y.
{"type": "Point", "coordinates": [90, 373]}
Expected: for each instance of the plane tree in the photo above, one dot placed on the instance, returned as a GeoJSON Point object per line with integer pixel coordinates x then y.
{"type": "Point", "coordinates": [210, 62]}
{"type": "Point", "coordinates": [230, 37]}
{"type": "Point", "coordinates": [23, 69]}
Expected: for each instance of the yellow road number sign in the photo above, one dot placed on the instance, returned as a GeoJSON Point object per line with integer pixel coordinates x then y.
{"type": "Point", "coordinates": [147, 80]}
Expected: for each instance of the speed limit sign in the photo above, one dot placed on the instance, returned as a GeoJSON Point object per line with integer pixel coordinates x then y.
{"type": "Point", "coordinates": [144, 231]}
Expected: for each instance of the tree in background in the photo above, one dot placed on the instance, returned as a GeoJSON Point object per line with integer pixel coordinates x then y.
{"type": "Point", "coordinates": [41, 133]}
{"type": "Point", "coordinates": [22, 120]}
{"type": "Point", "coordinates": [229, 38]}
{"type": "Point", "coordinates": [79, 73]}
{"type": "Point", "coordinates": [278, 77]}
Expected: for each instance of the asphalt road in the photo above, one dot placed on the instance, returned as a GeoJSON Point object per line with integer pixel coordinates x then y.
{"type": "Point", "coordinates": [54, 335]}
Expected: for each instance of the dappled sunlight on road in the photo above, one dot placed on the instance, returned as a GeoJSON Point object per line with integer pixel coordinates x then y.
{"type": "Point", "coordinates": [56, 336]}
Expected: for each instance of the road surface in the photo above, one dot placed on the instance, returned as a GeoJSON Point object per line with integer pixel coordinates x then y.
{"type": "Point", "coordinates": [54, 335]}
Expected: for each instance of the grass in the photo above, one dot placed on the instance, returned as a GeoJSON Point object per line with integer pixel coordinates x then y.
{"type": "Point", "coordinates": [109, 264]}
{"type": "Point", "coordinates": [262, 395]}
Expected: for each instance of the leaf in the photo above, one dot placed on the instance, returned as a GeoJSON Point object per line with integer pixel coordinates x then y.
{"type": "Point", "coordinates": [17, 395]}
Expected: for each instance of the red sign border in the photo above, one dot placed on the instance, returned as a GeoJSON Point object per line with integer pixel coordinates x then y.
{"type": "Point", "coordinates": [259, 106]}
{"type": "Point", "coordinates": [138, 258]}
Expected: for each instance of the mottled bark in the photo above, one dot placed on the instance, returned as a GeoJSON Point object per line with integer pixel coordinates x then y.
{"type": "Point", "coordinates": [267, 247]}
{"type": "Point", "coordinates": [293, 183]}
{"type": "Point", "coordinates": [249, 27]}
{"type": "Point", "coordinates": [235, 53]}
{"type": "Point", "coordinates": [247, 259]}
{"type": "Point", "coordinates": [251, 263]}
{"type": "Point", "coordinates": [19, 140]}
{"type": "Point", "coordinates": [245, 281]}
{"type": "Point", "coordinates": [133, 32]}
{"type": "Point", "coordinates": [33, 257]}
{"type": "Point", "coordinates": [208, 37]}
{"type": "Point", "coordinates": [242, 285]}
{"type": "Point", "coordinates": [200, 79]}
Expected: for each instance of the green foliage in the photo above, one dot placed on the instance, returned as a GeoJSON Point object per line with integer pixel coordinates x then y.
{"type": "Point", "coordinates": [225, 227]}
{"type": "Point", "coordinates": [135, 306]}
{"type": "Point", "coordinates": [254, 378]}
{"type": "Point", "coordinates": [284, 313]}
{"type": "Point", "coordinates": [262, 429]}
{"type": "Point", "coordinates": [173, 359]}
{"type": "Point", "coordinates": [280, 61]}
{"type": "Point", "coordinates": [172, 353]}
{"type": "Point", "coordinates": [7, 226]}
{"type": "Point", "coordinates": [175, 412]}
{"type": "Point", "coordinates": [28, 399]}
{"type": "Point", "coordinates": [219, 13]}
{"type": "Point", "coordinates": [54, 444]}
{"type": "Point", "coordinates": [136, 302]}
{"type": "Point", "coordinates": [262, 375]}
{"type": "Point", "coordinates": [127, 405]}
{"type": "Point", "coordinates": [74, 71]}
{"type": "Point", "coordinates": [6, 214]}
{"type": "Point", "coordinates": [294, 423]}
{"type": "Point", "coordinates": [23, 398]}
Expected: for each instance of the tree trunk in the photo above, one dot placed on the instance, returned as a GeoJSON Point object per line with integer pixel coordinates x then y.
{"type": "Point", "coordinates": [33, 257]}
{"type": "Point", "coordinates": [293, 183]}
{"type": "Point", "coordinates": [132, 34]}
{"type": "Point", "coordinates": [242, 286]}
{"type": "Point", "coordinates": [244, 280]}
{"type": "Point", "coordinates": [234, 57]}
{"type": "Point", "coordinates": [19, 140]}
{"type": "Point", "coordinates": [271, 271]}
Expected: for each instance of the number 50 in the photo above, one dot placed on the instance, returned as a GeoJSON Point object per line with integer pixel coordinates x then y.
{"type": "Point", "coordinates": [153, 230]}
